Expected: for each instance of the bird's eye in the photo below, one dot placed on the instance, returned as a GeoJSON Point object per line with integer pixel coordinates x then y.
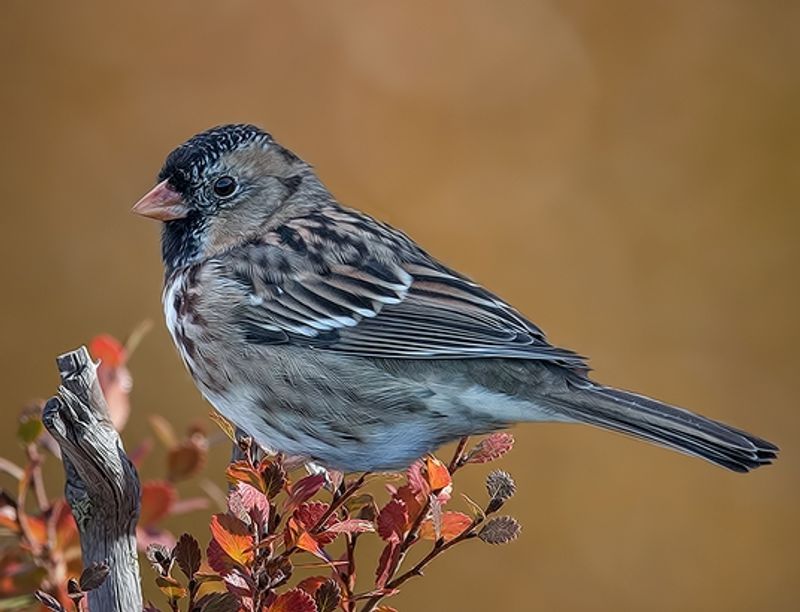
{"type": "Point", "coordinates": [224, 186]}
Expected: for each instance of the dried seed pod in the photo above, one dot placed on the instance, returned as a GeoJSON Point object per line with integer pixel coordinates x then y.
{"type": "Point", "coordinates": [500, 530]}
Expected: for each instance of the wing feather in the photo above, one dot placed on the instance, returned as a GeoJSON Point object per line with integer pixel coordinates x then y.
{"type": "Point", "coordinates": [409, 307]}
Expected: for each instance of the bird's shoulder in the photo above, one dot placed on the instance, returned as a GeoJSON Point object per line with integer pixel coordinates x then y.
{"type": "Point", "coordinates": [320, 242]}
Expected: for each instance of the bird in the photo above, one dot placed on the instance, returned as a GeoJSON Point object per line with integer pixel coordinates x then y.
{"type": "Point", "coordinates": [326, 334]}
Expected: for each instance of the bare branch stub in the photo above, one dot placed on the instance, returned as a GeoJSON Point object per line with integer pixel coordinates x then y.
{"type": "Point", "coordinates": [102, 485]}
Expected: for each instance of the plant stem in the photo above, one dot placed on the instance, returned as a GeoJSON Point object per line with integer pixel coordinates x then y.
{"type": "Point", "coordinates": [37, 481]}
{"type": "Point", "coordinates": [348, 579]}
{"type": "Point", "coordinates": [455, 462]}
{"type": "Point", "coordinates": [437, 550]}
{"type": "Point", "coordinates": [11, 468]}
{"type": "Point", "coordinates": [411, 537]}
{"type": "Point", "coordinates": [337, 502]}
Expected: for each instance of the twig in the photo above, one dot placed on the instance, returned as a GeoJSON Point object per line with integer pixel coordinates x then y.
{"type": "Point", "coordinates": [456, 461]}
{"type": "Point", "coordinates": [22, 515]}
{"type": "Point", "coordinates": [102, 487]}
{"type": "Point", "coordinates": [11, 468]}
{"type": "Point", "coordinates": [37, 480]}
{"type": "Point", "coordinates": [347, 581]}
{"type": "Point", "coordinates": [413, 533]}
{"type": "Point", "coordinates": [337, 502]}
{"type": "Point", "coordinates": [437, 550]}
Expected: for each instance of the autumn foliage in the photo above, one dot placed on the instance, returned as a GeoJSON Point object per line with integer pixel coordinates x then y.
{"type": "Point", "coordinates": [290, 536]}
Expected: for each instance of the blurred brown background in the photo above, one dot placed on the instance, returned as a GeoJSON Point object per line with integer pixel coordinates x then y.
{"type": "Point", "coordinates": [626, 173]}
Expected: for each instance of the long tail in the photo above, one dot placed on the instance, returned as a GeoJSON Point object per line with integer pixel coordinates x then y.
{"type": "Point", "coordinates": [669, 426]}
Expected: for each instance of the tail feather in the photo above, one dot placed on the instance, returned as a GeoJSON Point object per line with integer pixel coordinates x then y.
{"type": "Point", "coordinates": [672, 427]}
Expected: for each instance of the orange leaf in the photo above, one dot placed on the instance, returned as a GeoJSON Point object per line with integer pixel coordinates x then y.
{"type": "Point", "coordinates": [241, 471]}
{"type": "Point", "coordinates": [410, 499]}
{"type": "Point", "coordinates": [157, 500]}
{"type": "Point", "coordinates": [108, 350]}
{"type": "Point", "coordinates": [305, 541]}
{"type": "Point", "coordinates": [37, 529]}
{"type": "Point", "coordinates": [65, 527]}
{"type": "Point", "coordinates": [170, 587]}
{"type": "Point", "coordinates": [296, 535]}
{"type": "Point", "coordinates": [438, 475]}
{"type": "Point", "coordinates": [453, 524]}
{"type": "Point", "coordinates": [218, 559]}
{"type": "Point", "coordinates": [233, 537]}
{"type": "Point", "coordinates": [295, 600]}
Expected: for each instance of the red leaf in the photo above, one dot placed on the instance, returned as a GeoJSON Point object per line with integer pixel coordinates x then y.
{"type": "Point", "coordinates": [490, 448]}
{"type": "Point", "coordinates": [412, 501]}
{"type": "Point", "coordinates": [304, 489]}
{"type": "Point", "coordinates": [108, 350]}
{"type": "Point", "coordinates": [416, 479]}
{"type": "Point", "coordinates": [252, 502]}
{"type": "Point", "coordinates": [389, 557]}
{"type": "Point", "coordinates": [328, 596]}
{"type": "Point", "coordinates": [453, 524]}
{"type": "Point", "coordinates": [295, 600]}
{"type": "Point", "coordinates": [157, 500]}
{"type": "Point", "coordinates": [392, 520]}
{"type": "Point", "coordinates": [238, 583]}
{"type": "Point", "coordinates": [438, 476]}
{"type": "Point", "coordinates": [233, 537]}
{"type": "Point", "coordinates": [187, 554]}
{"type": "Point", "coordinates": [309, 514]}
{"type": "Point", "coordinates": [274, 477]}
{"type": "Point", "coordinates": [114, 377]}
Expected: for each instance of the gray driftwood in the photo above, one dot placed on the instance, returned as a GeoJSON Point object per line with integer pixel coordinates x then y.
{"type": "Point", "coordinates": [102, 485]}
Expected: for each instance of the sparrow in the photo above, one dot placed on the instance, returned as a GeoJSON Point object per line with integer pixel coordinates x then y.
{"type": "Point", "coordinates": [327, 334]}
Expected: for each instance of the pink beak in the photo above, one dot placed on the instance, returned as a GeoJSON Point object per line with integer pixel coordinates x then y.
{"type": "Point", "coordinates": [162, 202]}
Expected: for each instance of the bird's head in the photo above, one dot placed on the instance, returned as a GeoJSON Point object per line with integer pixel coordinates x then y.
{"type": "Point", "coordinates": [219, 187]}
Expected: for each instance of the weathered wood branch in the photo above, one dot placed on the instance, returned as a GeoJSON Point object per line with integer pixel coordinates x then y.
{"type": "Point", "coordinates": [102, 485]}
